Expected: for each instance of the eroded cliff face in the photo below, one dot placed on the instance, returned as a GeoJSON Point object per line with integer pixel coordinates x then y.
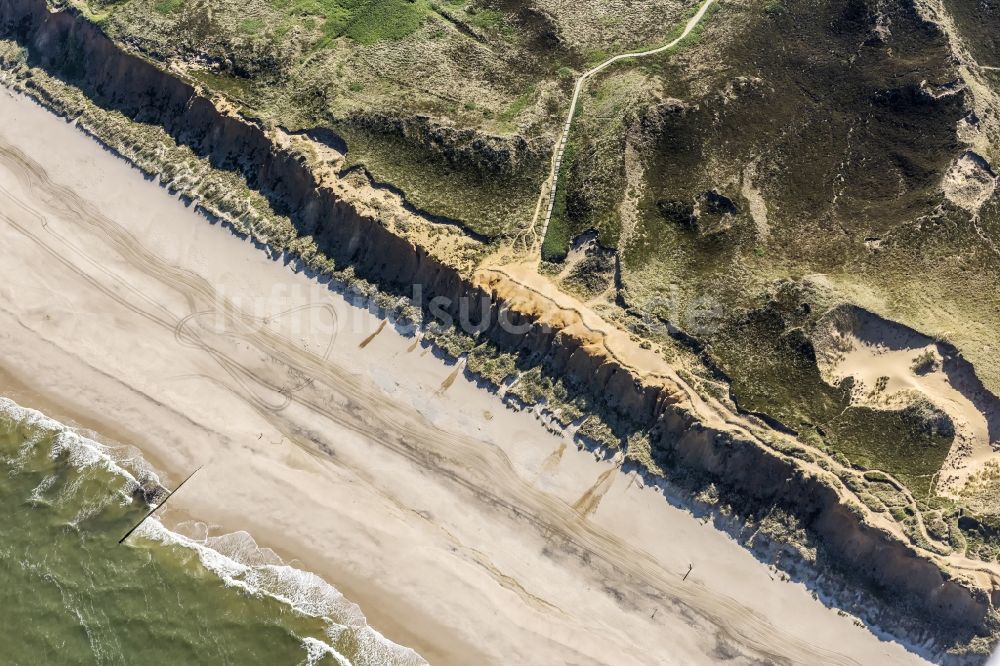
{"type": "Point", "coordinates": [562, 340]}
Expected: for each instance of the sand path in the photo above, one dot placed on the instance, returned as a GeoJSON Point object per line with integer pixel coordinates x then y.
{"type": "Point", "coordinates": [552, 182]}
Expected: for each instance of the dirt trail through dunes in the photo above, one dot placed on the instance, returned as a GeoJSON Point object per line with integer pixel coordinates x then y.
{"type": "Point", "coordinates": [550, 185]}
{"type": "Point", "coordinates": [442, 525]}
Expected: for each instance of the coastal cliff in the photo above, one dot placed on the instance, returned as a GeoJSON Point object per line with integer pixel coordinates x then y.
{"type": "Point", "coordinates": [73, 49]}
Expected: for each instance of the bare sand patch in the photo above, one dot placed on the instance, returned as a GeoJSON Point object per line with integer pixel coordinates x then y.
{"type": "Point", "coordinates": [894, 366]}
{"type": "Point", "coordinates": [970, 182]}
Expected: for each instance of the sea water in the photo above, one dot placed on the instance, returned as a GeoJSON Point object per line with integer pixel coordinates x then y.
{"type": "Point", "coordinates": [71, 594]}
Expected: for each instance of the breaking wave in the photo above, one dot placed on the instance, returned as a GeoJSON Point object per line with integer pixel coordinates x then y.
{"type": "Point", "coordinates": [235, 558]}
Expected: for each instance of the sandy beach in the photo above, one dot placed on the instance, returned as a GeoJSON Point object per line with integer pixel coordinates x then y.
{"type": "Point", "coordinates": [463, 529]}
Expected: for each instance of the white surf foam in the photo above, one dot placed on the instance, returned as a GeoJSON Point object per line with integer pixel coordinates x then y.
{"type": "Point", "coordinates": [239, 562]}
{"type": "Point", "coordinates": [81, 451]}
{"type": "Point", "coordinates": [235, 558]}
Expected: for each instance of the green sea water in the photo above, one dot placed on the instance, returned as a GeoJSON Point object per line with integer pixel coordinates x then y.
{"type": "Point", "coordinates": [70, 594]}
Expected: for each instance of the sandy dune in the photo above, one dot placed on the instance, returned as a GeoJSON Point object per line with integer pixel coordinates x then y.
{"type": "Point", "coordinates": [855, 343]}
{"type": "Point", "coordinates": [464, 530]}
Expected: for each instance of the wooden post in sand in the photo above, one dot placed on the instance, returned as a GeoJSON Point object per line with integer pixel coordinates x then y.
{"type": "Point", "coordinates": [153, 510]}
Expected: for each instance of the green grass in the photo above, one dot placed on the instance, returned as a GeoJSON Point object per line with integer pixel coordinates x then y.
{"type": "Point", "coordinates": [251, 26]}
{"type": "Point", "coordinates": [168, 6]}
{"type": "Point", "coordinates": [364, 21]}
{"type": "Point", "coordinates": [487, 19]}
{"type": "Point", "coordinates": [556, 242]}
{"type": "Point", "coordinates": [519, 105]}
{"type": "Point", "coordinates": [775, 7]}
{"type": "Point", "coordinates": [697, 31]}
{"type": "Point", "coordinates": [883, 439]}
{"type": "Point", "coordinates": [555, 245]}
{"type": "Point", "coordinates": [233, 86]}
{"type": "Point", "coordinates": [597, 56]}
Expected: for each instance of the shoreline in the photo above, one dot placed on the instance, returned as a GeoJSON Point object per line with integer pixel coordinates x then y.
{"type": "Point", "coordinates": [382, 612]}
{"type": "Point", "coordinates": [233, 557]}
{"type": "Point", "coordinates": [422, 513]}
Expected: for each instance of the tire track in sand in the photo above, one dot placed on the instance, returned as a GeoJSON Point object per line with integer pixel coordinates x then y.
{"type": "Point", "coordinates": [481, 473]}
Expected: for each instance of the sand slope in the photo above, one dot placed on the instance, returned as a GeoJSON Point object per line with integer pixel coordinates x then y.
{"type": "Point", "coordinates": [893, 365]}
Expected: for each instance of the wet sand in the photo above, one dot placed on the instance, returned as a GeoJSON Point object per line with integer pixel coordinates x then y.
{"type": "Point", "coordinates": [461, 528]}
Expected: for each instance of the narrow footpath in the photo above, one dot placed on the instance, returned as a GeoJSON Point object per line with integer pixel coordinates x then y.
{"type": "Point", "coordinates": [550, 185]}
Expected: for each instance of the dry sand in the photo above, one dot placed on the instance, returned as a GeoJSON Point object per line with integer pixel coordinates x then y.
{"type": "Point", "coordinates": [463, 529]}
{"type": "Point", "coordinates": [870, 349]}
